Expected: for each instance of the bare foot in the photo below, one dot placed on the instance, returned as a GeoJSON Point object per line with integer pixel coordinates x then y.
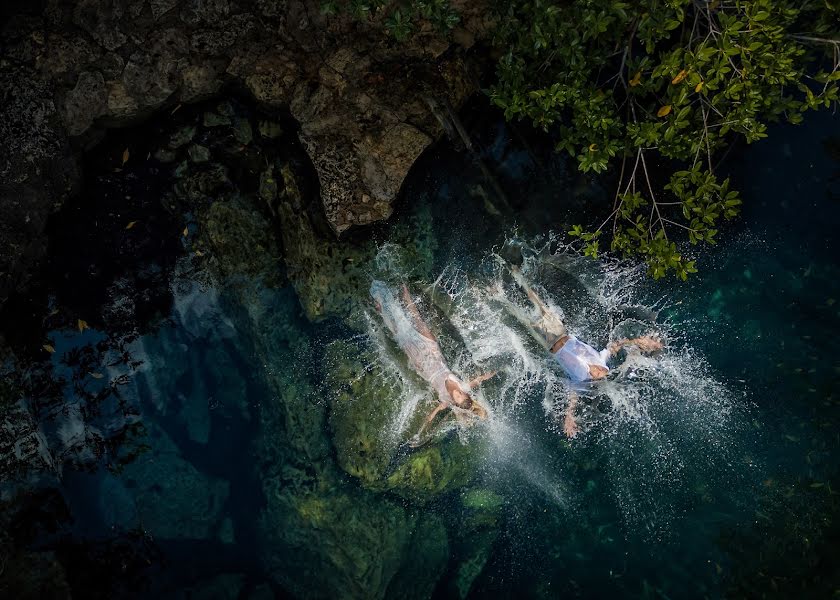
{"type": "Point", "coordinates": [570, 426]}
{"type": "Point", "coordinates": [649, 344]}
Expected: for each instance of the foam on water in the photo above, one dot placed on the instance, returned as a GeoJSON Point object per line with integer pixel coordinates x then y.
{"type": "Point", "coordinates": [657, 421]}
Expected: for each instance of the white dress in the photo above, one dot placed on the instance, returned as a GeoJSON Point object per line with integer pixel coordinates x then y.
{"type": "Point", "coordinates": [423, 354]}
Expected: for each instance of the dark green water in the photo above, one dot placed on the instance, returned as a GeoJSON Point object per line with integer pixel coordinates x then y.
{"type": "Point", "coordinates": [195, 439]}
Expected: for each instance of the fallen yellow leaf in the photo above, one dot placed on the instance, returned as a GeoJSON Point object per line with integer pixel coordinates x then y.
{"type": "Point", "coordinates": [125, 156]}
{"type": "Point", "coordinates": [130, 225]}
{"type": "Point", "coordinates": [664, 111]}
{"type": "Point", "coordinates": [199, 253]}
{"type": "Point", "coordinates": [97, 375]}
{"type": "Point", "coordinates": [83, 325]}
{"type": "Point", "coordinates": [637, 78]}
{"type": "Point", "coordinates": [186, 231]}
{"type": "Point", "coordinates": [49, 348]}
{"type": "Point", "coordinates": [698, 87]}
{"type": "Point", "coordinates": [680, 76]}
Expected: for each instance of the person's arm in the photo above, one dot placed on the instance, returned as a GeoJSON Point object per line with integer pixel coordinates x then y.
{"type": "Point", "coordinates": [440, 407]}
{"type": "Point", "coordinates": [647, 344]}
{"type": "Point", "coordinates": [570, 426]}
{"type": "Point", "coordinates": [419, 323]}
{"type": "Point", "coordinates": [476, 381]}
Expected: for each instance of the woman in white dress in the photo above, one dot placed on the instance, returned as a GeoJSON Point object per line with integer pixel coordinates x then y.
{"type": "Point", "coordinates": [415, 339]}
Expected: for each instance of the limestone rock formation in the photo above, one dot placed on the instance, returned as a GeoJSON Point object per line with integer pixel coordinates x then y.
{"type": "Point", "coordinates": [78, 68]}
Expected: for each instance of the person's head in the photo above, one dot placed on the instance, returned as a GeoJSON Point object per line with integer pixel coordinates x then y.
{"type": "Point", "coordinates": [464, 401]}
{"type": "Point", "coordinates": [460, 398]}
{"type": "Point", "coordinates": [598, 372]}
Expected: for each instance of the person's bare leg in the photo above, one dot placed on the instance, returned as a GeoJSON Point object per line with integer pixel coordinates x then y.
{"type": "Point", "coordinates": [570, 426]}
{"type": "Point", "coordinates": [416, 317]}
{"type": "Point", "coordinates": [532, 295]}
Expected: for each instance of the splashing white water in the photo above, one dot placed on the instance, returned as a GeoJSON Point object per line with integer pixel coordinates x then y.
{"type": "Point", "coordinates": [656, 422]}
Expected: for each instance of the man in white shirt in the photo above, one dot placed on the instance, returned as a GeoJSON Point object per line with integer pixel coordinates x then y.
{"type": "Point", "coordinates": [580, 361]}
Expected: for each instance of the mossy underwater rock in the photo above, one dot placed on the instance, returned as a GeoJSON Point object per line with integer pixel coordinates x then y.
{"type": "Point", "coordinates": [332, 276]}
{"type": "Point", "coordinates": [239, 242]}
{"type": "Point", "coordinates": [477, 532]}
{"type": "Point", "coordinates": [327, 538]}
{"type": "Point", "coordinates": [329, 276]}
{"type": "Point", "coordinates": [363, 408]}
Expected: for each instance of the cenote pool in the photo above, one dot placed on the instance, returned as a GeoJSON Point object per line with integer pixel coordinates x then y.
{"type": "Point", "coordinates": [207, 404]}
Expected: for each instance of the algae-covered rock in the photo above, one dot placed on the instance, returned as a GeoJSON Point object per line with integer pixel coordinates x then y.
{"type": "Point", "coordinates": [425, 556]}
{"type": "Point", "coordinates": [477, 532]}
{"type": "Point", "coordinates": [268, 187]}
{"type": "Point", "coordinates": [198, 153]}
{"type": "Point", "coordinates": [182, 137]}
{"type": "Point", "coordinates": [330, 276]}
{"type": "Point", "coordinates": [212, 119]}
{"type": "Point", "coordinates": [200, 185]}
{"type": "Point", "coordinates": [269, 129]}
{"type": "Point", "coordinates": [434, 470]}
{"type": "Point", "coordinates": [238, 241]}
{"type": "Point", "coordinates": [329, 539]}
{"type": "Point", "coordinates": [363, 409]}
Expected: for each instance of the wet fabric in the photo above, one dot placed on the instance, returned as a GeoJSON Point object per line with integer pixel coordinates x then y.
{"type": "Point", "coordinates": [575, 357]}
{"type": "Point", "coordinates": [550, 328]}
{"type": "Point", "coordinates": [423, 354]}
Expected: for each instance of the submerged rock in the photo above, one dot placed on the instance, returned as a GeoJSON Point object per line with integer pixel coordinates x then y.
{"type": "Point", "coordinates": [328, 539]}
{"type": "Point", "coordinates": [239, 243]}
{"type": "Point", "coordinates": [182, 137]}
{"type": "Point", "coordinates": [165, 493]}
{"type": "Point", "coordinates": [198, 153]}
{"type": "Point", "coordinates": [363, 410]}
{"type": "Point", "coordinates": [212, 119]}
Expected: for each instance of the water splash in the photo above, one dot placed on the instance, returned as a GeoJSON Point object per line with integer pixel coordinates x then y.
{"type": "Point", "coordinates": [657, 422]}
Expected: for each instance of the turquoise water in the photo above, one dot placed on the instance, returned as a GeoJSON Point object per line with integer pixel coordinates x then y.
{"type": "Point", "coordinates": [222, 415]}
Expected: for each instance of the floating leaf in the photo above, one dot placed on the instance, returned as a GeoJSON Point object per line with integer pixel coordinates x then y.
{"type": "Point", "coordinates": [664, 111]}
{"type": "Point", "coordinates": [680, 76]}
{"type": "Point", "coordinates": [97, 375]}
{"type": "Point", "coordinates": [130, 225]}
{"type": "Point", "coordinates": [637, 79]}
{"type": "Point", "coordinates": [82, 325]}
{"type": "Point", "coordinates": [698, 87]}
{"type": "Point", "coordinates": [49, 348]}
{"type": "Point", "coordinates": [125, 156]}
